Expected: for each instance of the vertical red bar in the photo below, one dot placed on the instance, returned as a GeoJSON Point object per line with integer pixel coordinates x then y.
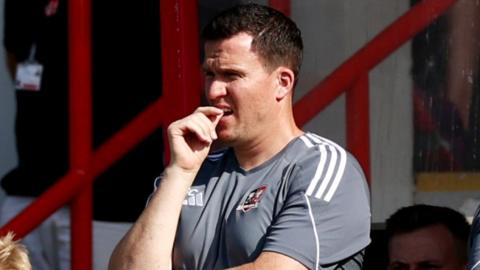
{"type": "Point", "coordinates": [358, 123]}
{"type": "Point", "coordinates": [180, 58]}
{"type": "Point", "coordinates": [79, 12]}
{"type": "Point", "coordinates": [81, 220]}
{"type": "Point", "coordinates": [283, 6]}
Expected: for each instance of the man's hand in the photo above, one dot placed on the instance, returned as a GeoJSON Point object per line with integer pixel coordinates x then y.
{"type": "Point", "coordinates": [190, 138]}
{"type": "Point", "coordinates": [149, 243]}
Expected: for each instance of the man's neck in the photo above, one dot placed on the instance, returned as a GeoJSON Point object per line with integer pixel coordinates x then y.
{"type": "Point", "coordinates": [252, 154]}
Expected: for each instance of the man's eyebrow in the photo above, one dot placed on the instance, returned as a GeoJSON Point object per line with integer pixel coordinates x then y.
{"type": "Point", "coordinates": [206, 67]}
{"type": "Point", "coordinates": [398, 265]}
{"type": "Point", "coordinates": [233, 71]}
{"type": "Point", "coordinates": [430, 262]}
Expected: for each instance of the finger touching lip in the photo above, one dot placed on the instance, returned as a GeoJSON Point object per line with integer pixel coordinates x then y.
{"type": "Point", "coordinates": [227, 110]}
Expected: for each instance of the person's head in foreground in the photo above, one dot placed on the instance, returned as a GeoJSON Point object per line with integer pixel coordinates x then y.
{"type": "Point", "coordinates": [427, 237]}
{"type": "Point", "coordinates": [252, 60]}
{"type": "Point", "coordinates": [13, 255]}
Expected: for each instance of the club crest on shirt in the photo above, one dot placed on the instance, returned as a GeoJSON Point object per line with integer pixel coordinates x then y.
{"type": "Point", "coordinates": [252, 200]}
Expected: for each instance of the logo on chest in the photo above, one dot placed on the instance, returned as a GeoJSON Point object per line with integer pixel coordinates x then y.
{"type": "Point", "coordinates": [252, 200]}
{"type": "Point", "coordinates": [194, 196]}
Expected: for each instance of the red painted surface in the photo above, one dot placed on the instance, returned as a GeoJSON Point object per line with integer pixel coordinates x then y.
{"type": "Point", "coordinates": [181, 94]}
{"type": "Point", "coordinates": [379, 48]}
{"type": "Point", "coordinates": [349, 73]}
{"type": "Point", "coordinates": [358, 123]}
{"type": "Point", "coordinates": [284, 6]}
{"type": "Point", "coordinates": [80, 99]}
{"type": "Point", "coordinates": [180, 59]}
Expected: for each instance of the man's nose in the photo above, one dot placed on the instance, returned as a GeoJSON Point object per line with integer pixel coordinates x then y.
{"type": "Point", "coordinates": [215, 89]}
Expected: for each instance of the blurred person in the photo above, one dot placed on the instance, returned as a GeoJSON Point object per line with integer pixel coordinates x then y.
{"type": "Point", "coordinates": [277, 197]}
{"type": "Point", "coordinates": [445, 71]}
{"type": "Point", "coordinates": [463, 57]}
{"type": "Point", "coordinates": [427, 237]}
{"type": "Point", "coordinates": [474, 243]}
{"type": "Point", "coordinates": [13, 255]}
{"type": "Point", "coordinates": [36, 42]}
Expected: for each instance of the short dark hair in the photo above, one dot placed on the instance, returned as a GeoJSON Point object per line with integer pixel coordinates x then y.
{"type": "Point", "coordinates": [276, 38]}
{"type": "Point", "coordinates": [415, 217]}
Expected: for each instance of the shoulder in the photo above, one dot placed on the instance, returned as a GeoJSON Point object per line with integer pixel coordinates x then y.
{"type": "Point", "coordinates": [325, 191]}
{"type": "Point", "coordinates": [318, 147]}
{"type": "Point", "coordinates": [323, 167]}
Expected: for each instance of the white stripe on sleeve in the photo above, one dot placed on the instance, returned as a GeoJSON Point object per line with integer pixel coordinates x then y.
{"type": "Point", "coordinates": [318, 171]}
{"type": "Point", "coordinates": [328, 176]}
{"type": "Point", "coordinates": [338, 176]}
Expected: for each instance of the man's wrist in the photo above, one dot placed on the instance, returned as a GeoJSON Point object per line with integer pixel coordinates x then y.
{"type": "Point", "coordinates": [176, 173]}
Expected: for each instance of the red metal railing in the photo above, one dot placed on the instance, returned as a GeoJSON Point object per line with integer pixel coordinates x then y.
{"type": "Point", "coordinates": [80, 99]}
{"type": "Point", "coordinates": [352, 77]}
{"type": "Point", "coordinates": [180, 61]}
{"type": "Point", "coordinates": [179, 54]}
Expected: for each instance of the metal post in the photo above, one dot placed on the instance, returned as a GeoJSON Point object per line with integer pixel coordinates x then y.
{"type": "Point", "coordinates": [358, 123]}
{"type": "Point", "coordinates": [80, 129]}
{"type": "Point", "coordinates": [180, 58]}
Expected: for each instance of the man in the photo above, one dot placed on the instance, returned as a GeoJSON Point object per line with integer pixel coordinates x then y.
{"type": "Point", "coordinates": [276, 198]}
{"type": "Point", "coordinates": [427, 237]}
{"type": "Point", "coordinates": [35, 39]}
{"type": "Point", "coordinates": [474, 243]}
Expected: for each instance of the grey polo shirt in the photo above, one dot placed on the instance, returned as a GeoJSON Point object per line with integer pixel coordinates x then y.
{"type": "Point", "coordinates": [309, 202]}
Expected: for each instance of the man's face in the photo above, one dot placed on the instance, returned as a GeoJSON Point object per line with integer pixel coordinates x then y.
{"type": "Point", "coordinates": [432, 247]}
{"type": "Point", "coordinates": [237, 81]}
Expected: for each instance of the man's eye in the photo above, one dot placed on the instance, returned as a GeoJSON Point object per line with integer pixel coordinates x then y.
{"type": "Point", "coordinates": [231, 75]}
{"type": "Point", "coordinates": [208, 74]}
{"type": "Point", "coordinates": [398, 266]}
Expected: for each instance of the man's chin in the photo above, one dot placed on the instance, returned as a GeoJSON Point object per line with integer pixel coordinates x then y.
{"type": "Point", "coordinates": [225, 138]}
{"type": "Point", "coordinates": [221, 142]}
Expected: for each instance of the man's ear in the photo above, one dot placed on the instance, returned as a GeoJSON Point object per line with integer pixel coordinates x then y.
{"type": "Point", "coordinates": [285, 82]}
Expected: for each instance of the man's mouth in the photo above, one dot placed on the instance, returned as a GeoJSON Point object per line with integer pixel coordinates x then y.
{"type": "Point", "coordinates": [227, 112]}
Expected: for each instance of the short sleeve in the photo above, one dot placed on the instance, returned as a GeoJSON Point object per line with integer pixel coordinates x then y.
{"type": "Point", "coordinates": [325, 217]}
{"type": "Point", "coordinates": [474, 246]}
